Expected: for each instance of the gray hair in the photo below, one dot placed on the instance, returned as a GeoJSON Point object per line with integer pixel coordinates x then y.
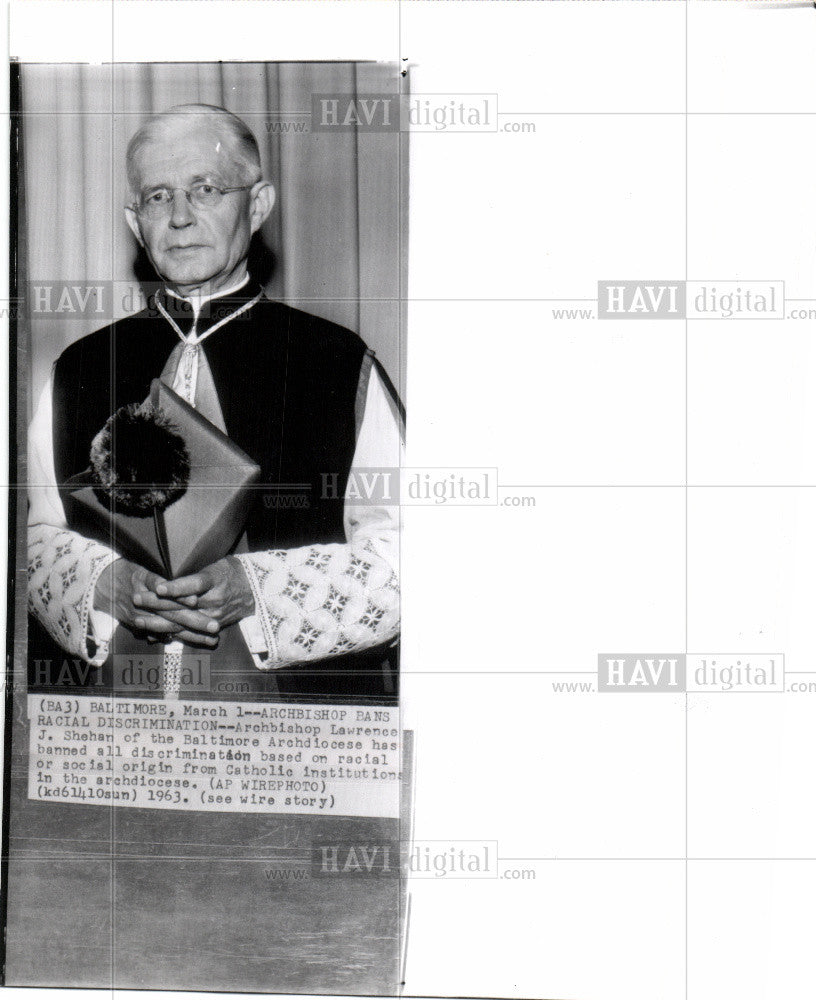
{"type": "Point", "coordinates": [244, 146]}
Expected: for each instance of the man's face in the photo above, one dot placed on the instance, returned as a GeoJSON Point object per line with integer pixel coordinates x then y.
{"type": "Point", "coordinates": [195, 248]}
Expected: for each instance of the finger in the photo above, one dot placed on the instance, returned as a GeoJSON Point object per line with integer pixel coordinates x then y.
{"type": "Point", "coordinates": [161, 630]}
{"type": "Point", "coordinates": [185, 636]}
{"type": "Point", "coordinates": [152, 580]}
{"type": "Point", "coordinates": [168, 623]}
{"type": "Point", "coordinates": [193, 620]}
{"type": "Point", "coordinates": [197, 639]}
{"type": "Point", "coordinates": [150, 602]}
{"type": "Point", "coordinates": [185, 586]}
{"type": "Point", "coordinates": [155, 624]}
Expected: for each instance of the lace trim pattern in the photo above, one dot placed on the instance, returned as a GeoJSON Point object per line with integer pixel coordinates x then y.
{"type": "Point", "coordinates": [63, 569]}
{"type": "Point", "coordinates": [324, 600]}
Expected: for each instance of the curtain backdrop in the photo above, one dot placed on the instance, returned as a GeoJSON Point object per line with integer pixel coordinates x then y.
{"type": "Point", "coordinates": [332, 245]}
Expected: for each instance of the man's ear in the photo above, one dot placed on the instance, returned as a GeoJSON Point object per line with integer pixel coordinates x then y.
{"type": "Point", "coordinates": [262, 199]}
{"type": "Point", "coordinates": [133, 222]}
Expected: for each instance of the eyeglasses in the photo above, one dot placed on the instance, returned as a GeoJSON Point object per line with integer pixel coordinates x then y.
{"type": "Point", "coordinates": [158, 203]}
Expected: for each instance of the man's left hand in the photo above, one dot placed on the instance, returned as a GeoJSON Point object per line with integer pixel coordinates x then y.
{"type": "Point", "coordinates": [221, 591]}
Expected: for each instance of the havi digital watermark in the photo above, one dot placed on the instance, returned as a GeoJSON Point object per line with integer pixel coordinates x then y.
{"type": "Point", "coordinates": [702, 673]}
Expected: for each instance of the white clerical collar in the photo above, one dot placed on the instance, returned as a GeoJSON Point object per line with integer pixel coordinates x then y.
{"type": "Point", "coordinates": [198, 301]}
{"type": "Point", "coordinates": [193, 338]}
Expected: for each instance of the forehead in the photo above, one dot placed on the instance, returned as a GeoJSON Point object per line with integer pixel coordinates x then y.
{"type": "Point", "coordinates": [178, 154]}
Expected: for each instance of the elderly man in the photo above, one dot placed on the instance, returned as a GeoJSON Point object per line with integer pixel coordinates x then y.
{"type": "Point", "coordinates": [313, 587]}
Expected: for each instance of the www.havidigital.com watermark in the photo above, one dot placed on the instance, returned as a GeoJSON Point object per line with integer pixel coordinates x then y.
{"type": "Point", "coordinates": [104, 300]}
{"type": "Point", "coordinates": [399, 486]}
{"type": "Point", "coordinates": [390, 859]}
{"type": "Point", "coordinates": [688, 673]}
{"type": "Point", "coordinates": [134, 675]}
{"type": "Point", "coordinates": [430, 113]}
{"type": "Point", "coordinates": [731, 299]}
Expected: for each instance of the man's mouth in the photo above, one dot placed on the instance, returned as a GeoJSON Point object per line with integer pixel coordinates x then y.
{"type": "Point", "coordinates": [182, 247]}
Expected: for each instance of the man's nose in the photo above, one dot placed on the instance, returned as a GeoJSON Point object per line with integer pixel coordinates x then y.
{"type": "Point", "coordinates": [182, 213]}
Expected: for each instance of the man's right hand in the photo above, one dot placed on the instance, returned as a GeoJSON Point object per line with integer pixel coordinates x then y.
{"type": "Point", "coordinates": [119, 592]}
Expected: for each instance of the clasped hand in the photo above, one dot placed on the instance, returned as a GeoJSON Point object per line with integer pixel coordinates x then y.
{"type": "Point", "coordinates": [191, 609]}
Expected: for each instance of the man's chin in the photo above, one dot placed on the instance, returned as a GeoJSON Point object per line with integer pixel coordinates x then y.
{"type": "Point", "coordinates": [187, 275]}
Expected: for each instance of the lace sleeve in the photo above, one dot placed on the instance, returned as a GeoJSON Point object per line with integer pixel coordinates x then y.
{"type": "Point", "coordinates": [323, 600]}
{"type": "Point", "coordinates": [63, 568]}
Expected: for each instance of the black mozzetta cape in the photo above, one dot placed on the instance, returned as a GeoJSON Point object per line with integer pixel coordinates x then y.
{"type": "Point", "coordinates": [289, 388]}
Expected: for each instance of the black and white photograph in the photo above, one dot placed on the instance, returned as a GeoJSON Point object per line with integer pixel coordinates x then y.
{"type": "Point", "coordinates": [210, 345]}
{"type": "Point", "coordinates": [153, 537]}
